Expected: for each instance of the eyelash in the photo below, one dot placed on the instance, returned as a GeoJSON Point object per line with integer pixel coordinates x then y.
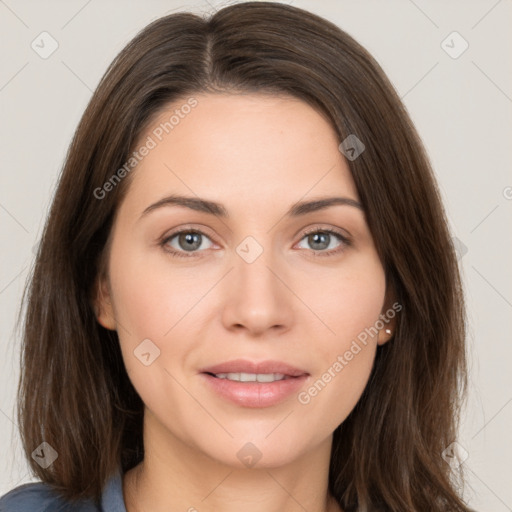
{"type": "Point", "coordinates": [181, 254]}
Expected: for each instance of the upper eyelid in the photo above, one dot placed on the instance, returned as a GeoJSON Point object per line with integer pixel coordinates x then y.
{"type": "Point", "coordinates": [332, 230]}
{"type": "Point", "coordinates": [186, 229]}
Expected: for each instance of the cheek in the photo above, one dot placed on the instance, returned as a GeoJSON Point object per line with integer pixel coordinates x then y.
{"type": "Point", "coordinates": [150, 298]}
{"type": "Point", "coordinates": [151, 303]}
{"type": "Point", "coordinates": [347, 301]}
{"type": "Point", "coordinates": [349, 306]}
{"type": "Point", "coordinates": [329, 398]}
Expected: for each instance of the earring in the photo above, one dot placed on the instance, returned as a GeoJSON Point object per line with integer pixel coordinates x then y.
{"type": "Point", "coordinates": [388, 331]}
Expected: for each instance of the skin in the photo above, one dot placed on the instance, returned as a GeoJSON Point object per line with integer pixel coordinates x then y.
{"type": "Point", "coordinates": [257, 155]}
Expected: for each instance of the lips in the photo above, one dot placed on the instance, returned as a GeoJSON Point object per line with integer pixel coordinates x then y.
{"type": "Point", "coordinates": [245, 366]}
{"type": "Point", "coordinates": [241, 388]}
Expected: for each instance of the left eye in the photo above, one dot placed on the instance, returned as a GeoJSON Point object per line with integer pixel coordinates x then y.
{"type": "Point", "coordinates": [320, 241]}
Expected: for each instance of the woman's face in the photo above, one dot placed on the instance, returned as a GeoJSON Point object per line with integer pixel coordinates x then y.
{"type": "Point", "coordinates": [263, 281]}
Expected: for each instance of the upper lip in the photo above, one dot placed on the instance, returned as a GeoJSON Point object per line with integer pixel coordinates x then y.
{"type": "Point", "coordinates": [246, 366]}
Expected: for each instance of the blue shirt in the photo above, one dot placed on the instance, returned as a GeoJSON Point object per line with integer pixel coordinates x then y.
{"type": "Point", "coordinates": [40, 497]}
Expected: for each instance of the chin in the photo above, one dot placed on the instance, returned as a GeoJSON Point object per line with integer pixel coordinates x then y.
{"type": "Point", "coordinates": [258, 452]}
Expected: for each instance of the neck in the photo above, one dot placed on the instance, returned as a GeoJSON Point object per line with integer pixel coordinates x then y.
{"type": "Point", "coordinates": [177, 476]}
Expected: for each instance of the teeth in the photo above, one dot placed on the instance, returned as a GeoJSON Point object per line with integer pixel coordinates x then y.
{"type": "Point", "coordinates": [251, 377]}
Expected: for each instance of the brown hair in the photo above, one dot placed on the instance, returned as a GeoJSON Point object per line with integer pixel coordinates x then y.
{"type": "Point", "coordinates": [74, 391]}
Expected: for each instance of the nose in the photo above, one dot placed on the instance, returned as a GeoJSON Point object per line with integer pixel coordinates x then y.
{"type": "Point", "coordinates": [257, 296]}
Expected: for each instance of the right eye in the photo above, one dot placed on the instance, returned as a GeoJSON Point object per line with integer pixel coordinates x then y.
{"type": "Point", "coordinates": [184, 241]}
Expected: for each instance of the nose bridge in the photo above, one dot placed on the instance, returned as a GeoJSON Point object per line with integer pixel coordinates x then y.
{"type": "Point", "coordinates": [257, 298]}
{"type": "Point", "coordinates": [252, 269]}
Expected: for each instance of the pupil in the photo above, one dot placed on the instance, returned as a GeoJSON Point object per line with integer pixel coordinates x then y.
{"type": "Point", "coordinates": [316, 240]}
{"type": "Point", "coordinates": [189, 239]}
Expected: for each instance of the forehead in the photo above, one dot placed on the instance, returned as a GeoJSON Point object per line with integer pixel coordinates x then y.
{"type": "Point", "coordinates": [250, 147]}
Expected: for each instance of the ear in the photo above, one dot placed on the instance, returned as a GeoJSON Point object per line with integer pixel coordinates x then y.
{"type": "Point", "coordinates": [388, 317]}
{"type": "Point", "coordinates": [103, 304]}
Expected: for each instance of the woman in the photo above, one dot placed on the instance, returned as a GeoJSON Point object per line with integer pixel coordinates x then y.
{"type": "Point", "coordinates": [245, 294]}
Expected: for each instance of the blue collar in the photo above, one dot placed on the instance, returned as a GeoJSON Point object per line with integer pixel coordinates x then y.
{"type": "Point", "coordinates": [112, 497]}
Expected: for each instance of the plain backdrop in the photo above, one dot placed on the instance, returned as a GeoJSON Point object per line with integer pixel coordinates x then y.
{"type": "Point", "coordinates": [459, 100]}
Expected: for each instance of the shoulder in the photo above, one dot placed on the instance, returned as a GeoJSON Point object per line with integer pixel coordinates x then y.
{"type": "Point", "coordinates": [40, 497]}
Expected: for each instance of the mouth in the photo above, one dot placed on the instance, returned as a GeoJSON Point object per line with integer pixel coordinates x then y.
{"type": "Point", "coordinates": [248, 371]}
{"type": "Point", "coordinates": [254, 384]}
{"type": "Point", "coordinates": [252, 377]}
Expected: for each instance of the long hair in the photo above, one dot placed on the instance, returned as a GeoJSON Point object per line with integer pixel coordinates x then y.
{"type": "Point", "coordinates": [74, 392]}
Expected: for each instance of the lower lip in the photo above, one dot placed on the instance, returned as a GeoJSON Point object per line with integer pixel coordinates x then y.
{"type": "Point", "coordinates": [255, 394]}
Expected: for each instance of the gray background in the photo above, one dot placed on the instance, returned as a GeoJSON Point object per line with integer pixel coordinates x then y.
{"type": "Point", "coordinates": [461, 106]}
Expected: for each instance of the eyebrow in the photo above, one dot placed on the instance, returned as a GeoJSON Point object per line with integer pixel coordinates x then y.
{"type": "Point", "coordinates": [213, 208]}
